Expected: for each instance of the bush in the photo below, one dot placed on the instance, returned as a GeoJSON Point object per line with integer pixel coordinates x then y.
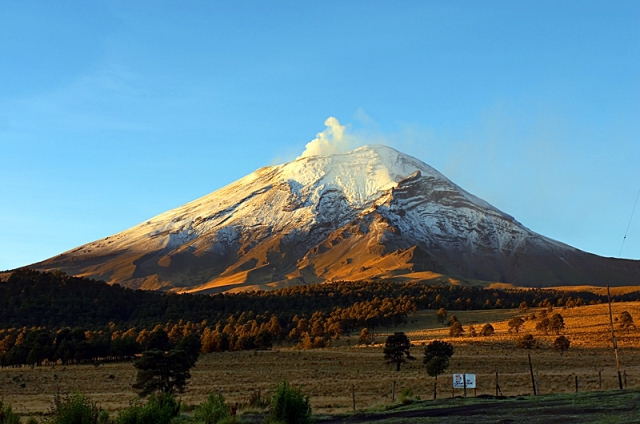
{"type": "Point", "coordinates": [289, 405]}
{"type": "Point", "coordinates": [213, 410]}
{"type": "Point", "coordinates": [487, 330]}
{"type": "Point", "coordinates": [406, 396]}
{"type": "Point", "coordinates": [159, 409]}
{"type": "Point", "coordinates": [75, 408]}
{"type": "Point", "coordinates": [7, 416]}
{"type": "Point", "coordinates": [456, 330]}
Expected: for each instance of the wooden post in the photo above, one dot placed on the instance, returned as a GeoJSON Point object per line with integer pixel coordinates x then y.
{"type": "Point", "coordinates": [353, 396]}
{"type": "Point", "coordinates": [576, 384]}
{"type": "Point", "coordinates": [497, 385]}
{"type": "Point", "coordinates": [533, 382]}
{"type": "Point", "coordinates": [613, 338]}
{"type": "Point", "coordinates": [464, 383]}
{"type": "Point", "coordinates": [600, 379]}
{"type": "Point", "coordinates": [393, 392]}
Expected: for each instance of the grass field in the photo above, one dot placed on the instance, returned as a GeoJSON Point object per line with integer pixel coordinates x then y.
{"type": "Point", "coordinates": [329, 374]}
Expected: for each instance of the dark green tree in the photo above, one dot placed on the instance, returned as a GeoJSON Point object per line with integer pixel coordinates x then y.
{"type": "Point", "coordinates": [397, 349]}
{"type": "Point", "coordinates": [164, 372]}
{"type": "Point", "coordinates": [158, 340]}
{"type": "Point", "coordinates": [437, 356]}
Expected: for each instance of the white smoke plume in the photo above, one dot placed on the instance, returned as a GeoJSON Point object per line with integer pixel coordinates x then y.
{"type": "Point", "coordinates": [330, 141]}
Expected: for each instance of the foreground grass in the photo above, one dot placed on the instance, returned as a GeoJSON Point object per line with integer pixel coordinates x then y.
{"type": "Point", "coordinates": [594, 407]}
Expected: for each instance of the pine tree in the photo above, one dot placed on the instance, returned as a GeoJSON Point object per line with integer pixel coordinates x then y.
{"type": "Point", "coordinates": [396, 349]}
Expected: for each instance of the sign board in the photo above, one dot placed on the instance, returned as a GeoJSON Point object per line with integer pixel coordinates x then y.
{"type": "Point", "coordinates": [459, 381]}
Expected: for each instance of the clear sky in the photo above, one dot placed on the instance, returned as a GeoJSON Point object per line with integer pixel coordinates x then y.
{"type": "Point", "coordinates": [113, 112]}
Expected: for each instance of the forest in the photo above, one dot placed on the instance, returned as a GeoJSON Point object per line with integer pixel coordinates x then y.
{"type": "Point", "coordinates": [50, 316]}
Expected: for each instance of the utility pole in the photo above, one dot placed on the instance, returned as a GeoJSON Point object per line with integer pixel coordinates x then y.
{"type": "Point", "coordinates": [613, 337]}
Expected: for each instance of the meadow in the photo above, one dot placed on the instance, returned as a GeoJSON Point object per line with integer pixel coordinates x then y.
{"type": "Point", "coordinates": [329, 375]}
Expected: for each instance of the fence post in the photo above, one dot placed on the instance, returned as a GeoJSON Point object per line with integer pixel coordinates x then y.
{"type": "Point", "coordinates": [497, 385]}
{"type": "Point", "coordinates": [533, 382]}
{"type": "Point", "coordinates": [600, 379]}
{"type": "Point", "coordinates": [576, 384]}
{"type": "Point", "coordinates": [353, 396]}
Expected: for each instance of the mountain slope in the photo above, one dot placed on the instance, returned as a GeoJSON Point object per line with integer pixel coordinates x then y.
{"type": "Point", "coordinates": [369, 213]}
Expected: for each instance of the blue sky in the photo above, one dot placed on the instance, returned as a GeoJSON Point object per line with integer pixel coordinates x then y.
{"type": "Point", "coordinates": [113, 112]}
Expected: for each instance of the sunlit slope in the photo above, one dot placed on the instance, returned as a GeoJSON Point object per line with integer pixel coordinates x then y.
{"type": "Point", "coordinates": [369, 213]}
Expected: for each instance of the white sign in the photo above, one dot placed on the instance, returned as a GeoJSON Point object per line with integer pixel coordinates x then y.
{"type": "Point", "coordinates": [459, 381]}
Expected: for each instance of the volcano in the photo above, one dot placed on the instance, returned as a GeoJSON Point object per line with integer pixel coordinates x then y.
{"type": "Point", "coordinates": [371, 213]}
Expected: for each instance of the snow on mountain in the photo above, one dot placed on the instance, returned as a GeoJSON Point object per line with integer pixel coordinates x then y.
{"type": "Point", "coordinates": [369, 213]}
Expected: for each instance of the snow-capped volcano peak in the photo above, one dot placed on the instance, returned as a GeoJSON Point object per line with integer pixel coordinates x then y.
{"type": "Point", "coordinates": [372, 212]}
{"type": "Point", "coordinates": [362, 174]}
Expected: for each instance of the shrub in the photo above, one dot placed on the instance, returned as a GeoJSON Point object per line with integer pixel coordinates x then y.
{"type": "Point", "coordinates": [406, 395]}
{"type": "Point", "coordinates": [626, 321]}
{"type": "Point", "coordinates": [7, 416]}
{"type": "Point", "coordinates": [515, 324]}
{"type": "Point", "coordinates": [159, 409]}
{"type": "Point", "coordinates": [256, 400]}
{"type": "Point", "coordinates": [212, 410]}
{"type": "Point", "coordinates": [289, 405]}
{"type": "Point", "coordinates": [472, 331]}
{"type": "Point", "coordinates": [75, 408]}
{"type": "Point", "coordinates": [366, 338]}
{"type": "Point", "coordinates": [456, 330]}
{"type": "Point", "coordinates": [487, 330]}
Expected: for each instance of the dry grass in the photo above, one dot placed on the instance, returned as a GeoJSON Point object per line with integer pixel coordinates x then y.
{"type": "Point", "coordinates": [328, 374]}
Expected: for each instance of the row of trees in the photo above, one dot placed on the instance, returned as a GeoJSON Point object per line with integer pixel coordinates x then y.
{"type": "Point", "coordinates": [55, 300]}
{"type": "Point", "coordinates": [32, 346]}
